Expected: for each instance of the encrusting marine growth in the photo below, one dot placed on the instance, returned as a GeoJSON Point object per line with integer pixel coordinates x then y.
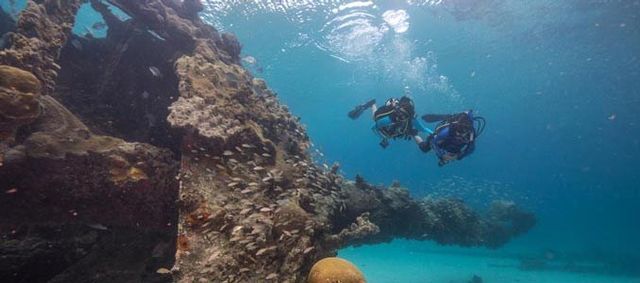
{"type": "Point", "coordinates": [112, 173]}
{"type": "Point", "coordinates": [19, 92]}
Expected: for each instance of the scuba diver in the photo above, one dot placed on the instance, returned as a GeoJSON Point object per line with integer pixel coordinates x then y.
{"type": "Point", "coordinates": [395, 119]}
{"type": "Point", "coordinates": [454, 136]}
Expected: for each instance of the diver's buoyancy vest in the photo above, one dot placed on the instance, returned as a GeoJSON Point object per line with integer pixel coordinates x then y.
{"type": "Point", "coordinates": [392, 121]}
{"type": "Point", "coordinates": [455, 135]}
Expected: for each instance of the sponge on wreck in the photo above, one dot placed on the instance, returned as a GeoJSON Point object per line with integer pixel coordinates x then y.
{"type": "Point", "coordinates": [335, 270]}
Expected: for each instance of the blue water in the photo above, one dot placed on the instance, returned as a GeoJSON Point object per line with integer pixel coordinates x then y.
{"type": "Point", "coordinates": [13, 7]}
{"type": "Point", "coordinates": [557, 81]}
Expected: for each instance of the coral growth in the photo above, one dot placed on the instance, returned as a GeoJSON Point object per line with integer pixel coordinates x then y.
{"type": "Point", "coordinates": [41, 30]}
{"type": "Point", "coordinates": [19, 93]}
{"type": "Point", "coordinates": [446, 221]}
{"type": "Point", "coordinates": [333, 270]}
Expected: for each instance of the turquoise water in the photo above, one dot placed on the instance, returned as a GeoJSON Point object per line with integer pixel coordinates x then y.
{"type": "Point", "coordinates": [558, 82]}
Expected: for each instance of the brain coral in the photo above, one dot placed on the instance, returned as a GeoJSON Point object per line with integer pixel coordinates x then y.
{"type": "Point", "coordinates": [335, 270]}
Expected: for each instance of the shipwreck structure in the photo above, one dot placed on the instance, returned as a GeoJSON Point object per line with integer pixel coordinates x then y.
{"type": "Point", "coordinates": [152, 155]}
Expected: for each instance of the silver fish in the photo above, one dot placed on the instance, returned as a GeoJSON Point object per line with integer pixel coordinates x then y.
{"type": "Point", "coordinates": [156, 35]}
{"type": "Point", "coordinates": [98, 226]}
{"type": "Point", "coordinates": [155, 71]}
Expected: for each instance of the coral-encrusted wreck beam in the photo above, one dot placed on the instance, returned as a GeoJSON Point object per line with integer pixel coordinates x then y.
{"type": "Point", "coordinates": [445, 221]}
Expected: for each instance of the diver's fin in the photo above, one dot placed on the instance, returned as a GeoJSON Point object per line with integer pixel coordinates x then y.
{"type": "Point", "coordinates": [356, 112]}
{"type": "Point", "coordinates": [431, 118]}
{"type": "Point", "coordinates": [369, 103]}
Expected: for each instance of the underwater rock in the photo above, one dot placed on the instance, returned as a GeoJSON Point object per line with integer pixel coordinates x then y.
{"type": "Point", "coordinates": [333, 269]}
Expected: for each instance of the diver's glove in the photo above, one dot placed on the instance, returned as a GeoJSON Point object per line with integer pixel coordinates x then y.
{"type": "Point", "coordinates": [424, 146]}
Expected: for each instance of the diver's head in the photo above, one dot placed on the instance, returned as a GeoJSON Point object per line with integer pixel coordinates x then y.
{"type": "Point", "coordinates": [407, 105]}
{"type": "Point", "coordinates": [405, 99]}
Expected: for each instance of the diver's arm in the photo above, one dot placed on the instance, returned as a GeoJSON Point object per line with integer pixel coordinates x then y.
{"type": "Point", "coordinates": [422, 144]}
{"type": "Point", "coordinates": [417, 124]}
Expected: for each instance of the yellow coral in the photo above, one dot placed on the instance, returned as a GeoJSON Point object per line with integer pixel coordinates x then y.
{"type": "Point", "coordinates": [19, 91]}
{"type": "Point", "coordinates": [335, 270]}
{"type": "Point", "coordinates": [18, 79]}
{"type": "Point", "coordinates": [19, 105]}
{"type": "Point", "coordinates": [136, 174]}
{"type": "Point", "coordinates": [124, 175]}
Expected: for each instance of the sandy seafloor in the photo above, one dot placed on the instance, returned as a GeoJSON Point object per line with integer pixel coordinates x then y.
{"type": "Point", "coordinates": [399, 261]}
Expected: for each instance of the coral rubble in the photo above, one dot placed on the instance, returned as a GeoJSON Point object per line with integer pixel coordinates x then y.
{"type": "Point", "coordinates": [181, 153]}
